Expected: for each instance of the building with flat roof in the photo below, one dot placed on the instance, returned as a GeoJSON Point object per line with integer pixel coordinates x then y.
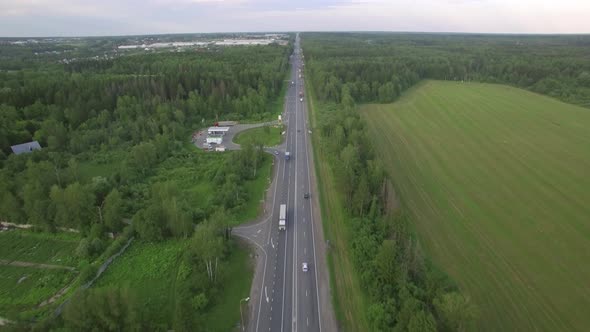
{"type": "Point", "coordinates": [217, 130]}
{"type": "Point", "coordinates": [26, 147]}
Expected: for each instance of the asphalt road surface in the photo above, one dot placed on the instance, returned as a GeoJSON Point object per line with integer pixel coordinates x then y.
{"type": "Point", "coordinates": [283, 296]}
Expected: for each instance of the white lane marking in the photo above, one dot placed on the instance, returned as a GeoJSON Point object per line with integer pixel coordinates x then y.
{"type": "Point", "coordinates": [307, 321]}
{"type": "Point", "coordinates": [266, 295]}
{"type": "Point", "coordinates": [286, 165]}
{"type": "Point", "coordinates": [259, 231]}
{"type": "Point", "coordinates": [273, 246]}
{"type": "Point", "coordinates": [305, 293]}
{"type": "Point", "coordinates": [263, 277]}
{"type": "Point", "coordinates": [295, 262]}
{"type": "Point", "coordinates": [265, 255]}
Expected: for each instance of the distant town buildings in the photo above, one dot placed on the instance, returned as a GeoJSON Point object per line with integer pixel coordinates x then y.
{"type": "Point", "coordinates": [265, 39]}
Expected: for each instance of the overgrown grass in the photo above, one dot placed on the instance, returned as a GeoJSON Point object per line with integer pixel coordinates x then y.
{"type": "Point", "coordinates": [226, 313]}
{"type": "Point", "coordinates": [269, 136]}
{"type": "Point", "coordinates": [28, 246]}
{"type": "Point", "coordinates": [256, 190]}
{"type": "Point", "coordinates": [348, 298]}
{"type": "Point", "coordinates": [495, 181]}
{"type": "Point", "coordinates": [194, 176]}
{"type": "Point", "coordinates": [193, 173]}
{"type": "Point", "coordinates": [22, 289]}
{"type": "Point", "coordinates": [102, 164]}
{"type": "Point", "coordinates": [149, 269]}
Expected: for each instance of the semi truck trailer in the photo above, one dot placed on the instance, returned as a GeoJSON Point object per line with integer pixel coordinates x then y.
{"type": "Point", "coordinates": [283, 217]}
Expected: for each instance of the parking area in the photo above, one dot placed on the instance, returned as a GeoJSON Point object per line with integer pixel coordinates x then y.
{"type": "Point", "coordinates": [223, 141]}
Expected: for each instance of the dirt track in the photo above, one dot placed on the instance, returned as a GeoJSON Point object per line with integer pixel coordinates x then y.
{"type": "Point", "coordinates": [35, 265]}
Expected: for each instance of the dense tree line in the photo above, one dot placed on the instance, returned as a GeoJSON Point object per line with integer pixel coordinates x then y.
{"type": "Point", "coordinates": [142, 105]}
{"type": "Point", "coordinates": [406, 293]}
{"type": "Point", "coordinates": [137, 112]}
{"type": "Point", "coordinates": [379, 67]}
{"type": "Point", "coordinates": [87, 104]}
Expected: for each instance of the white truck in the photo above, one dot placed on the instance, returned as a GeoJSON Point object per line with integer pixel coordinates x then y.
{"type": "Point", "coordinates": [283, 217]}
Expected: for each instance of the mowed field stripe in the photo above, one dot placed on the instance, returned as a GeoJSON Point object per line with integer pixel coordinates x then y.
{"type": "Point", "coordinates": [493, 178]}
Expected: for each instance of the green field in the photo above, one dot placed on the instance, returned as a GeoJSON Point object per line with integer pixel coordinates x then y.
{"type": "Point", "coordinates": [496, 182]}
{"type": "Point", "coordinates": [269, 136]}
{"type": "Point", "coordinates": [23, 288]}
{"type": "Point", "coordinates": [28, 246]}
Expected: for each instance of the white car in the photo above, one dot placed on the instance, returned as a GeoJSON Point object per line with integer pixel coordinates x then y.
{"type": "Point", "coordinates": [304, 267]}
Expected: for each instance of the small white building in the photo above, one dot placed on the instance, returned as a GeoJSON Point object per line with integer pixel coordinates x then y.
{"type": "Point", "coordinates": [217, 130]}
{"type": "Point", "coordinates": [214, 139]}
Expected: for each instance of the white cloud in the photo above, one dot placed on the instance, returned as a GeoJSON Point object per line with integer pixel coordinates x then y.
{"type": "Point", "coordinates": [152, 16]}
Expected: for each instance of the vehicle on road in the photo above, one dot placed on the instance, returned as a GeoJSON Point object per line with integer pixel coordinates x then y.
{"type": "Point", "coordinates": [287, 155]}
{"type": "Point", "coordinates": [301, 99]}
{"type": "Point", "coordinates": [283, 217]}
{"type": "Point", "coordinates": [298, 130]}
{"type": "Point", "coordinates": [304, 267]}
{"type": "Point", "coordinates": [276, 153]}
{"type": "Point", "coordinates": [306, 195]}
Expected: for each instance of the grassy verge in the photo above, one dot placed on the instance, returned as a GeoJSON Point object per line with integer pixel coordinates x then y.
{"type": "Point", "coordinates": [348, 298]}
{"type": "Point", "coordinates": [269, 136]}
{"type": "Point", "coordinates": [226, 313]}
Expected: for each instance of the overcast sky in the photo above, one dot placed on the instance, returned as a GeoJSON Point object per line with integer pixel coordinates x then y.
{"type": "Point", "coordinates": [122, 17]}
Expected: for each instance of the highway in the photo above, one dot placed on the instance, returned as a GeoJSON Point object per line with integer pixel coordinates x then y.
{"type": "Point", "coordinates": [283, 296]}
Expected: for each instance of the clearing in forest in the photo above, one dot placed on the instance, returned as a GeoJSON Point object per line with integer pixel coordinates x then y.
{"type": "Point", "coordinates": [496, 182]}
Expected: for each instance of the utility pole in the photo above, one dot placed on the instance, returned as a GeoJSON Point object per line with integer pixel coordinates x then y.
{"type": "Point", "coordinates": [241, 316]}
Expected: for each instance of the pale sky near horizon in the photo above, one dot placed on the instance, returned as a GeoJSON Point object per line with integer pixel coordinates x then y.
{"type": "Point", "coordinates": [21, 18]}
